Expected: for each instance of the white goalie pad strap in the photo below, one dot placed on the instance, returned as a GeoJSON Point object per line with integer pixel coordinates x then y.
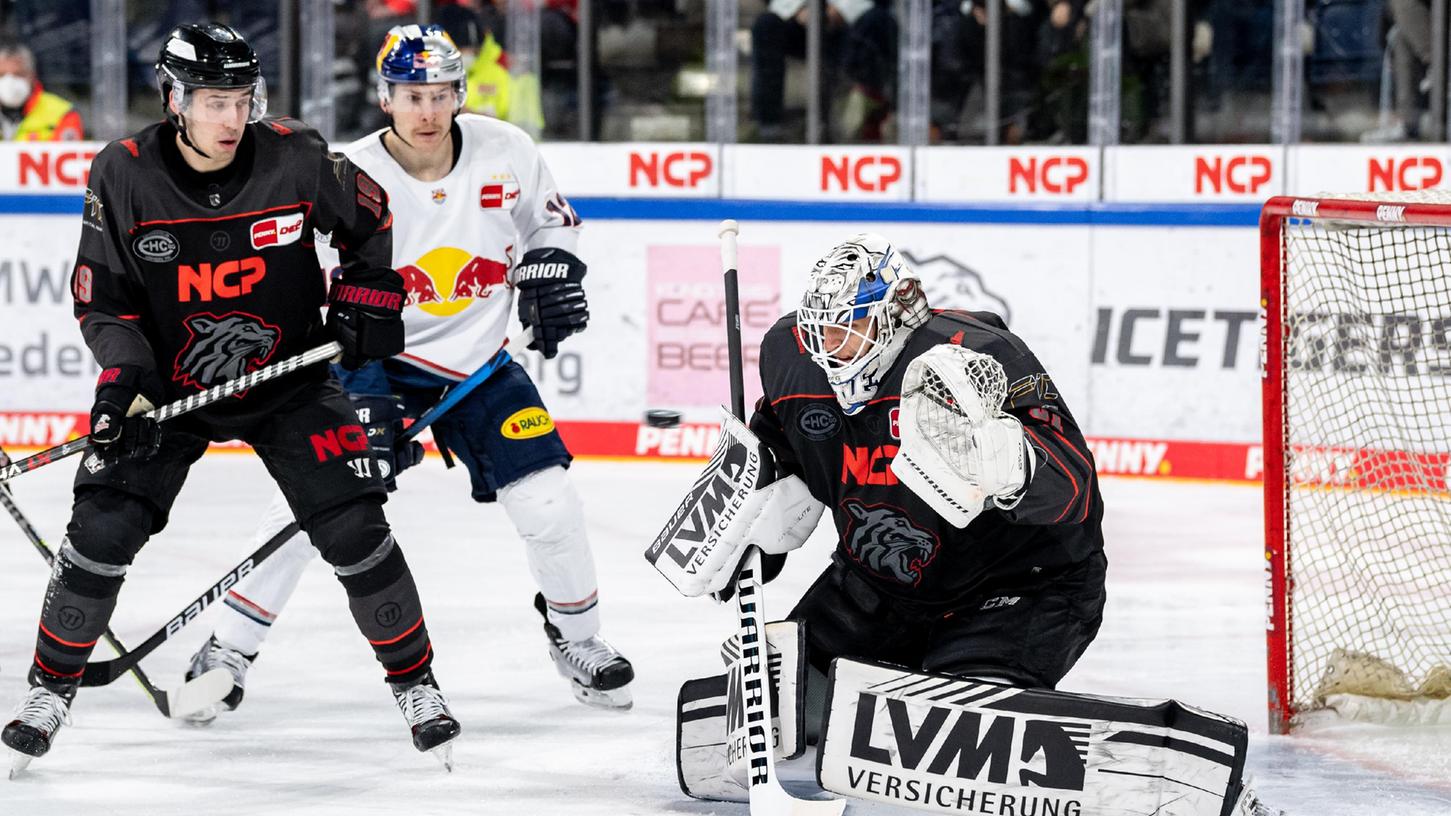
{"type": "Point", "coordinates": [710, 756]}
{"type": "Point", "coordinates": [954, 745]}
{"type": "Point", "coordinates": [958, 447]}
{"type": "Point", "coordinates": [736, 503]}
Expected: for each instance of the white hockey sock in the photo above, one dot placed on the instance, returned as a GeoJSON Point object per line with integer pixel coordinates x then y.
{"type": "Point", "coordinates": [250, 607]}
{"type": "Point", "coordinates": [547, 512]}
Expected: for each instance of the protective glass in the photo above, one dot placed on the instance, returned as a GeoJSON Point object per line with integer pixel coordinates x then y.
{"type": "Point", "coordinates": [220, 106]}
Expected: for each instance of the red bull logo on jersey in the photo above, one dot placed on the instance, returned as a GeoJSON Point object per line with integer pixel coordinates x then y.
{"type": "Point", "coordinates": [446, 280]}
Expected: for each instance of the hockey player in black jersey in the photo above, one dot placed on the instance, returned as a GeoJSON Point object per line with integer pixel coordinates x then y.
{"type": "Point", "coordinates": [965, 501]}
{"type": "Point", "coordinates": [196, 266]}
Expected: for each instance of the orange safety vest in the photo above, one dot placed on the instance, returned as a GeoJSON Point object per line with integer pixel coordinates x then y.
{"type": "Point", "coordinates": [49, 118]}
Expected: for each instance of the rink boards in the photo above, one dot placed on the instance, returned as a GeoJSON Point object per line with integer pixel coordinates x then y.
{"type": "Point", "coordinates": [1142, 301]}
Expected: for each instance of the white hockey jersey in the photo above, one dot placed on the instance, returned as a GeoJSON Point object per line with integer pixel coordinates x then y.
{"type": "Point", "coordinates": [456, 240]}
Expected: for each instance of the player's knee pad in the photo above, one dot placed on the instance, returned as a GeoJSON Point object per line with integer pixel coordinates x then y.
{"type": "Point", "coordinates": [546, 510]}
{"type": "Point", "coordinates": [355, 540]}
{"type": "Point", "coordinates": [109, 527]}
{"type": "Point", "coordinates": [347, 533]}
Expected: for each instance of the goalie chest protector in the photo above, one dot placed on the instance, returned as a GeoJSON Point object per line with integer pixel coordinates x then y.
{"type": "Point", "coordinates": [887, 533]}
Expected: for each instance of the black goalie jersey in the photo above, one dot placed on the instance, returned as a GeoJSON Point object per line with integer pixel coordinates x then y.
{"type": "Point", "coordinates": [884, 531]}
{"type": "Point", "coordinates": [203, 277]}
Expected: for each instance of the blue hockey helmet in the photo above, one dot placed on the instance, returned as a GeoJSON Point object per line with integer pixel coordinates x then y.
{"type": "Point", "coordinates": [417, 55]}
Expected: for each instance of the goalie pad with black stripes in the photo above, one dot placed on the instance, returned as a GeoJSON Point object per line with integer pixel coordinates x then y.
{"type": "Point", "coordinates": [953, 745]}
{"type": "Point", "coordinates": [710, 733]}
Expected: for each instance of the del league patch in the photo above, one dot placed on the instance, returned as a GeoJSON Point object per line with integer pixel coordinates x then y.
{"type": "Point", "coordinates": [279, 231]}
{"type": "Point", "coordinates": [499, 195]}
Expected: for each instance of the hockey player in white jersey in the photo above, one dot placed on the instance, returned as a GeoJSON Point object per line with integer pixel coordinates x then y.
{"type": "Point", "coordinates": [476, 217]}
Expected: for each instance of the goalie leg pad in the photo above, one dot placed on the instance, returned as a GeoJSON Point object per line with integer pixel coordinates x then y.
{"type": "Point", "coordinates": [956, 745]}
{"type": "Point", "coordinates": [710, 728]}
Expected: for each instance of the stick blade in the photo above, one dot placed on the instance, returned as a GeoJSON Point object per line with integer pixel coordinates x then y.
{"type": "Point", "coordinates": [771, 799]}
{"type": "Point", "coordinates": [199, 693]}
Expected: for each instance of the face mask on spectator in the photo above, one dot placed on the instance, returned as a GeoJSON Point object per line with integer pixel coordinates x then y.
{"type": "Point", "coordinates": [14, 90]}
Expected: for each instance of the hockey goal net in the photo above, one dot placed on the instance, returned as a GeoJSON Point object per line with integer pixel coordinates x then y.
{"type": "Point", "coordinates": [1357, 443]}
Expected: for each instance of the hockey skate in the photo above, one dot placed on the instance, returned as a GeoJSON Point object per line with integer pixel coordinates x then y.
{"type": "Point", "coordinates": [37, 720]}
{"type": "Point", "coordinates": [216, 655]}
{"type": "Point", "coordinates": [597, 673]}
{"type": "Point", "coordinates": [426, 710]}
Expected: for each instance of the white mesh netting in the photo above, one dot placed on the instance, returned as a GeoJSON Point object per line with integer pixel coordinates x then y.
{"type": "Point", "coordinates": [970, 386]}
{"type": "Point", "coordinates": [1367, 329]}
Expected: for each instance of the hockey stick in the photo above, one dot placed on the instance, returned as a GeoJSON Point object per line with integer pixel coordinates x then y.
{"type": "Point", "coordinates": [181, 406]}
{"type": "Point", "coordinates": [767, 796]}
{"type": "Point", "coordinates": [102, 672]}
{"type": "Point", "coordinates": [191, 697]}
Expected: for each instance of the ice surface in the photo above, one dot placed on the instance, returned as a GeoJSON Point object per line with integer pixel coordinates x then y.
{"type": "Point", "coordinates": [318, 733]}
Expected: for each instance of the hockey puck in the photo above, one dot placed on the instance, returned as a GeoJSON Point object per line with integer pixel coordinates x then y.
{"type": "Point", "coordinates": [662, 418]}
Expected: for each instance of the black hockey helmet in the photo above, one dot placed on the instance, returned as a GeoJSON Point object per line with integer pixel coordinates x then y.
{"type": "Point", "coordinates": [209, 55]}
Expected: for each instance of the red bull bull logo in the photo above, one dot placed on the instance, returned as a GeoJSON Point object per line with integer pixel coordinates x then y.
{"type": "Point", "coordinates": [450, 270]}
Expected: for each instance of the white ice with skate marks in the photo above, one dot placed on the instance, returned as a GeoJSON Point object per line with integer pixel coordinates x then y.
{"type": "Point", "coordinates": [318, 732]}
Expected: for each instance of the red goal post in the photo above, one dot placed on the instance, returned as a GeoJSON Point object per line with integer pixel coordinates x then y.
{"type": "Point", "coordinates": [1356, 350]}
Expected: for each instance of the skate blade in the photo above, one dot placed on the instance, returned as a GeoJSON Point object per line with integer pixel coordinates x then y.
{"type": "Point", "coordinates": [201, 693]}
{"type": "Point", "coordinates": [203, 718]}
{"type": "Point", "coordinates": [444, 754]}
{"type": "Point", "coordinates": [619, 699]}
{"type": "Point", "coordinates": [18, 763]}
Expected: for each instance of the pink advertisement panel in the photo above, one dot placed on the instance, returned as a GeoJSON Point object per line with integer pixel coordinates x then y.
{"type": "Point", "coordinates": [687, 361]}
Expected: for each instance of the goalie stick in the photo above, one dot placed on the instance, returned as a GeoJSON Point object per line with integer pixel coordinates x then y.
{"type": "Point", "coordinates": [192, 696]}
{"type": "Point", "coordinates": [103, 672]}
{"type": "Point", "coordinates": [767, 796]}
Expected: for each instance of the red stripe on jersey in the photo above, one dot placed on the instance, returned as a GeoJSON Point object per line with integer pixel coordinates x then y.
{"type": "Point", "coordinates": [1066, 472]}
{"type": "Point", "coordinates": [956, 339]}
{"type": "Point", "coordinates": [130, 144]}
{"type": "Point", "coordinates": [1087, 464]}
{"type": "Point", "coordinates": [306, 205]}
{"type": "Point", "coordinates": [796, 333]}
{"type": "Point", "coordinates": [278, 127]}
{"type": "Point", "coordinates": [802, 396]}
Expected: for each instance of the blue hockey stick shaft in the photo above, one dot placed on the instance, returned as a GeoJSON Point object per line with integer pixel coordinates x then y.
{"type": "Point", "coordinates": [462, 389]}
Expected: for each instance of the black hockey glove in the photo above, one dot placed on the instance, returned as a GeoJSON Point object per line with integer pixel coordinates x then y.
{"type": "Point", "coordinates": [367, 321]}
{"type": "Point", "coordinates": [114, 434]}
{"type": "Point", "coordinates": [382, 418]}
{"type": "Point", "coordinates": [551, 297]}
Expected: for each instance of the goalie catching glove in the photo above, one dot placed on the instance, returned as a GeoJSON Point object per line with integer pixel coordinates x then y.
{"type": "Point", "coordinates": [740, 501]}
{"type": "Point", "coordinates": [959, 449]}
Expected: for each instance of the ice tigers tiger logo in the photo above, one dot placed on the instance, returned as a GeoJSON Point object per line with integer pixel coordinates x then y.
{"type": "Point", "coordinates": [223, 348]}
{"type": "Point", "coordinates": [882, 539]}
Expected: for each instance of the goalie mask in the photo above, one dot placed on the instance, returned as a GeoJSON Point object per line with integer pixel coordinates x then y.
{"type": "Point", "coordinates": [860, 306]}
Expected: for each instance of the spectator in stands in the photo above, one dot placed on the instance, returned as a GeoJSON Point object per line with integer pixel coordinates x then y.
{"type": "Point", "coordinates": [859, 42]}
{"type": "Point", "coordinates": [869, 60]}
{"type": "Point", "coordinates": [1061, 109]}
{"type": "Point", "coordinates": [1410, 45]}
{"type": "Point", "coordinates": [27, 111]}
{"type": "Point", "coordinates": [959, 34]}
{"type": "Point", "coordinates": [780, 32]}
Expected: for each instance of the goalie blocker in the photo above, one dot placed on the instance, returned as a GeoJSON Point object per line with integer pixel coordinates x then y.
{"type": "Point", "coordinates": [958, 745]}
{"type": "Point", "coordinates": [739, 501]}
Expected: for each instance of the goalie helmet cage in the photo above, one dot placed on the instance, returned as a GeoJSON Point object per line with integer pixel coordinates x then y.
{"type": "Point", "coordinates": [1356, 294]}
